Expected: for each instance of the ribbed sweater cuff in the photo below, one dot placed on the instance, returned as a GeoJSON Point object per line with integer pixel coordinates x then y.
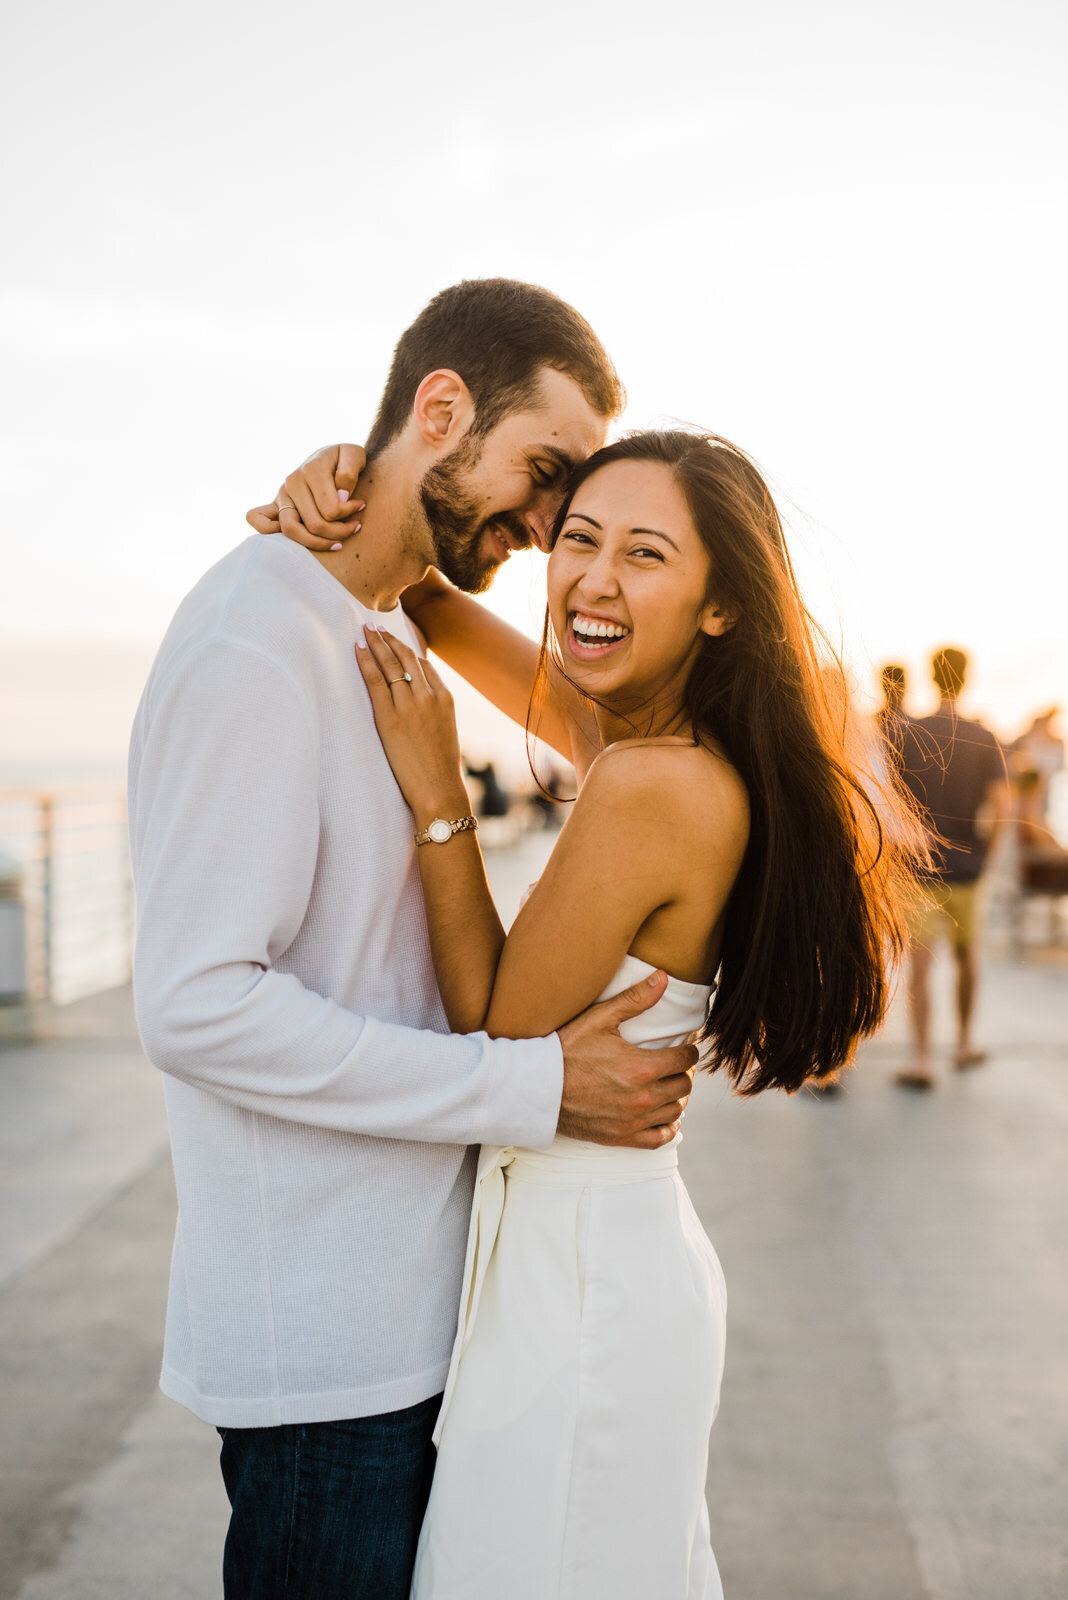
{"type": "Point", "coordinates": [523, 1091]}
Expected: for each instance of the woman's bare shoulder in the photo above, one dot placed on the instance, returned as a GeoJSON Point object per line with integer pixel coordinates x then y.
{"type": "Point", "coordinates": [679, 808]}
{"type": "Point", "coordinates": [685, 779]}
{"type": "Point", "coordinates": [683, 806]}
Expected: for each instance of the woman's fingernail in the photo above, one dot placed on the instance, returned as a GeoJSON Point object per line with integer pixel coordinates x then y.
{"type": "Point", "coordinates": [361, 505]}
{"type": "Point", "coordinates": [360, 645]}
{"type": "Point", "coordinates": [335, 547]}
{"type": "Point", "coordinates": [343, 495]}
{"type": "Point", "coordinates": [356, 526]}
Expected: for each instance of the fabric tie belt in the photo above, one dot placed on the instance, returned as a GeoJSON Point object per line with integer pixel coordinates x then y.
{"type": "Point", "coordinates": [567, 1162]}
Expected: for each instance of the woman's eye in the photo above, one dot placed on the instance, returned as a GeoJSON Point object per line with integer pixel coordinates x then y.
{"type": "Point", "coordinates": [576, 536]}
{"type": "Point", "coordinates": [644, 550]}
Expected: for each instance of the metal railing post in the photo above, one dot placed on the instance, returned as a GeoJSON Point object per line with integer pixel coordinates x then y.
{"type": "Point", "coordinates": [48, 886]}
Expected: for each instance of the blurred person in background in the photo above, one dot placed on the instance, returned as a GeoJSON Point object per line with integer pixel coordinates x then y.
{"type": "Point", "coordinates": [903, 829]}
{"type": "Point", "coordinates": [1043, 860]}
{"type": "Point", "coordinates": [955, 771]}
{"type": "Point", "coordinates": [551, 793]}
{"type": "Point", "coordinates": [892, 682]}
{"type": "Point", "coordinates": [1039, 750]}
{"type": "Point", "coordinates": [495, 800]}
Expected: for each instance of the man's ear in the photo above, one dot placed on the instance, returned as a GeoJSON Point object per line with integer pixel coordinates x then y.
{"type": "Point", "coordinates": [715, 621]}
{"type": "Point", "coordinates": [443, 408]}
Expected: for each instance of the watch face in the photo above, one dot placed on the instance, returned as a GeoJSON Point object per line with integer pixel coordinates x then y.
{"type": "Point", "coordinates": [439, 831]}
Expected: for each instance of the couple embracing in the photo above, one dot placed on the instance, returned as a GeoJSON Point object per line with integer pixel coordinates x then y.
{"type": "Point", "coordinates": [436, 1372]}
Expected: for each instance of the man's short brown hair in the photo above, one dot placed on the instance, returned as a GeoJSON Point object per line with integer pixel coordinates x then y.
{"type": "Point", "coordinates": [948, 667]}
{"type": "Point", "coordinates": [498, 334]}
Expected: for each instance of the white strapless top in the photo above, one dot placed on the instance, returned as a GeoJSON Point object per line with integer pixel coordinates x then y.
{"type": "Point", "coordinates": [680, 1012]}
{"type": "Point", "coordinates": [574, 1164]}
{"type": "Point", "coordinates": [681, 1009]}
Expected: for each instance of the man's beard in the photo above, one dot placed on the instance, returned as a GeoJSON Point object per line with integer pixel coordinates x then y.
{"type": "Point", "coordinates": [455, 523]}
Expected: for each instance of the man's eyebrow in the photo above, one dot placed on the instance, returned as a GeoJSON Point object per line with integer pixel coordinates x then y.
{"type": "Point", "coordinates": [565, 462]}
{"type": "Point", "coordinates": [654, 531]}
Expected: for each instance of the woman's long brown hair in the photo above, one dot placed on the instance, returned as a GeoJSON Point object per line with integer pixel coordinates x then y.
{"type": "Point", "coordinates": [815, 914]}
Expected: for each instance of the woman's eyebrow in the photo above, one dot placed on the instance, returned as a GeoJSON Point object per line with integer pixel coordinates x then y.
{"type": "Point", "coordinates": [658, 535]}
{"type": "Point", "coordinates": [654, 531]}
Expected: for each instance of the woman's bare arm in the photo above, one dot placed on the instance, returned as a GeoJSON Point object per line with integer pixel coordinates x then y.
{"type": "Point", "coordinates": [315, 508]}
{"type": "Point", "coordinates": [414, 716]}
{"type": "Point", "coordinates": [575, 956]}
{"type": "Point", "coordinates": [644, 864]}
{"type": "Point", "coordinates": [578, 923]}
{"type": "Point", "coordinates": [497, 660]}
{"type": "Point", "coordinates": [611, 870]}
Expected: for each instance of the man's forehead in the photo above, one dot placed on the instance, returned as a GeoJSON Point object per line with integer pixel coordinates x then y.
{"type": "Point", "coordinates": [561, 422]}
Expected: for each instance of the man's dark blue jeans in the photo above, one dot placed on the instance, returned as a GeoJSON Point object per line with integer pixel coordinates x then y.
{"type": "Point", "coordinates": [327, 1510]}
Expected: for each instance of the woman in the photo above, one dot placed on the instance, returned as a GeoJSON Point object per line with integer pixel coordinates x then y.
{"type": "Point", "coordinates": [718, 835]}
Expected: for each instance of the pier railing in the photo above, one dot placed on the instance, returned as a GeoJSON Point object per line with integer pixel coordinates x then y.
{"type": "Point", "coordinates": [71, 845]}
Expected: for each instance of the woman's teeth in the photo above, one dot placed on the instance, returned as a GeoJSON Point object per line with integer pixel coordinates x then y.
{"type": "Point", "coordinates": [589, 632]}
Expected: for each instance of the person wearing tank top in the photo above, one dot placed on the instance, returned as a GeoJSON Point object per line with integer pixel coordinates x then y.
{"type": "Point", "coordinates": [719, 837]}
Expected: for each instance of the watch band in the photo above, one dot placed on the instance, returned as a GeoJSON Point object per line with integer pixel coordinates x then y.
{"type": "Point", "coordinates": [435, 832]}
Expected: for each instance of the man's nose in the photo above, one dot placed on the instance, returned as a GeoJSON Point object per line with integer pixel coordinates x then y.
{"type": "Point", "coordinates": [540, 524]}
{"type": "Point", "coordinates": [541, 519]}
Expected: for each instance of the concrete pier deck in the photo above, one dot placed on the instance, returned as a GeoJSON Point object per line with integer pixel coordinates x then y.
{"type": "Point", "coordinates": [894, 1422]}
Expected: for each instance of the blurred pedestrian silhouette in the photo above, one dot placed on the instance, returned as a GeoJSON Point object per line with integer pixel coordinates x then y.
{"type": "Point", "coordinates": [888, 717]}
{"type": "Point", "coordinates": [954, 769]}
{"type": "Point", "coordinates": [1041, 860]}
{"type": "Point", "coordinates": [552, 788]}
{"type": "Point", "coordinates": [495, 801]}
{"type": "Point", "coordinates": [884, 735]}
{"type": "Point", "coordinates": [1039, 751]}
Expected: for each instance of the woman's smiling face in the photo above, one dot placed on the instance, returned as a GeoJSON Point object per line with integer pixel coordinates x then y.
{"type": "Point", "coordinates": [628, 587]}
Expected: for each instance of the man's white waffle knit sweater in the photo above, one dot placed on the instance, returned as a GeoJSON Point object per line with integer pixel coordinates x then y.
{"type": "Point", "coordinates": [320, 1114]}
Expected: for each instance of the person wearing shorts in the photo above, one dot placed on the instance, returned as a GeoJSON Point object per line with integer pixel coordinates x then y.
{"type": "Point", "coordinates": [955, 771]}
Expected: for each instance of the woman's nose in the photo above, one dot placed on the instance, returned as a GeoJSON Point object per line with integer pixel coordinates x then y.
{"type": "Point", "coordinates": [600, 578]}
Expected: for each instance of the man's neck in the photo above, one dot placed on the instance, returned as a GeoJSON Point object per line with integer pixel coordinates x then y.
{"type": "Point", "coordinates": [389, 552]}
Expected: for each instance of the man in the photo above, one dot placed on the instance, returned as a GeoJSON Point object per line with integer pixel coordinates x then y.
{"type": "Point", "coordinates": [954, 769]}
{"type": "Point", "coordinates": [320, 1115]}
{"type": "Point", "coordinates": [892, 682]}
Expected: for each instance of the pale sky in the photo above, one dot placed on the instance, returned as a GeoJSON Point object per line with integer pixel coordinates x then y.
{"type": "Point", "coordinates": [833, 232]}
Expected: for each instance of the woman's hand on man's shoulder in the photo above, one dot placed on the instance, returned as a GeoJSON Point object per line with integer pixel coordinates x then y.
{"type": "Point", "coordinates": [315, 506]}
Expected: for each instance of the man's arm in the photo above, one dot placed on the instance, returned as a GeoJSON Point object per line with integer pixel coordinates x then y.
{"type": "Point", "coordinates": [225, 836]}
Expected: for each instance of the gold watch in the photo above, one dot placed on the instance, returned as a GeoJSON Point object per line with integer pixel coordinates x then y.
{"type": "Point", "coordinates": [441, 830]}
